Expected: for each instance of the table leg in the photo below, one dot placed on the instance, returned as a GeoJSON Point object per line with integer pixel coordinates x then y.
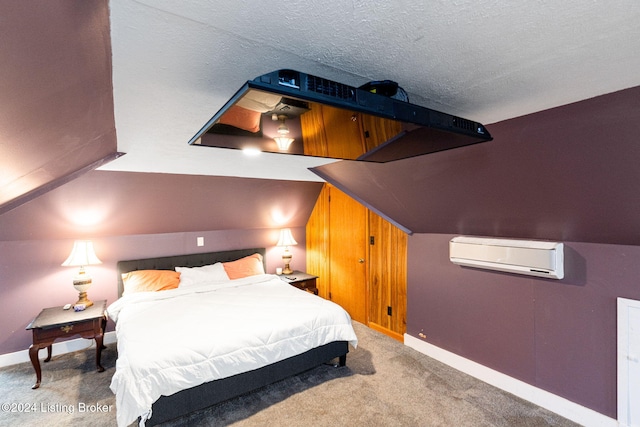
{"type": "Point", "coordinates": [48, 354]}
{"type": "Point", "coordinates": [104, 328]}
{"type": "Point", "coordinates": [33, 355]}
{"type": "Point", "coordinates": [99, 347]}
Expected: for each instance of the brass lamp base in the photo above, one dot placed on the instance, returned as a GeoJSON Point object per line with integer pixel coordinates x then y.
{"type": "Point", "coordinates": [287, 269]}
{"type": "Point", "coordinates": [286, 258]}
{"type": "Point", "coordinates": [82, 282]}
{"type": "Point", "coordinates": [82, 299]}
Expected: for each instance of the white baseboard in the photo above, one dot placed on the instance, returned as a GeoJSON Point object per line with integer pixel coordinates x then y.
{"type": "Point", "coordinates": [561, 406]}
{"type": "Point", "coordinates": [57, 349]}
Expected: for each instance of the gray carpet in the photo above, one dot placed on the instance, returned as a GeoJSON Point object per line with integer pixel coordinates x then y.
{"type": "Point", "coordinates": [384, 384]}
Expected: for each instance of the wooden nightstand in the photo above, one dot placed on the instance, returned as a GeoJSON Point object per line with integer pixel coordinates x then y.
{"type": "Point", "coordinates": [301, 280]}
{"type": "Point", "coordinates": [55, 322]}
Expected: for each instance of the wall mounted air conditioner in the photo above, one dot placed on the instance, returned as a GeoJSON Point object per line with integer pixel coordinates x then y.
{"type": "Point", "coordinates": [534, 258]}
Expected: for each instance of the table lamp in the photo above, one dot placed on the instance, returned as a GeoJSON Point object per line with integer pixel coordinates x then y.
{"type": "Point", "coordinates": [82, 254]}
{"type": "Point", "coordinates": [286, 239]}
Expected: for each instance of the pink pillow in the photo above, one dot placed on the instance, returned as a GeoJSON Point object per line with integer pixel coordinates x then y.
{"type": "Point", "coordinates": [242, 118]}
{"type": "Point", "coordinates": [244, 267]}
{"type": "Point", "coordinates": [150, 281]}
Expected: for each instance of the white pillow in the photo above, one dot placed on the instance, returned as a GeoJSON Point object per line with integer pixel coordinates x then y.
{"type": "Point", "coordinates": [190, 276]}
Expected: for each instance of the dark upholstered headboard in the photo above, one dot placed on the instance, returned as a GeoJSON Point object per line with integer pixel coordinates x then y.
{"type": "Point", "coordinates": [192, 260]}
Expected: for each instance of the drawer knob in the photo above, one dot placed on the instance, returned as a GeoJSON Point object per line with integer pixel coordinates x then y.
{"type": "Point", "coordinates": [66, 328]}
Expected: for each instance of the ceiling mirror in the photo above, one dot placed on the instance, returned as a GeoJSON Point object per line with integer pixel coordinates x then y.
{"type": "Point", "coordinates": [290, 112]}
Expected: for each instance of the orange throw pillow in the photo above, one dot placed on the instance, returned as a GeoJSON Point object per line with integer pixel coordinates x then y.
{"type": "Point", "coordinates": [150, 281]}
{"type": "Point", "coordinates": [244, 267]}
{"type": "Point", "coordinates": [242, 119]}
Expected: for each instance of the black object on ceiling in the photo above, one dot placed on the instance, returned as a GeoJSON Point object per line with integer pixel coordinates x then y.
{"type": "Point", "coordinates": [250, 117]}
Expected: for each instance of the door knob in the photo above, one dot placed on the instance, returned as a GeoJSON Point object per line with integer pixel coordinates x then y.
{"type": "Point", "coordinates": [361, 260]}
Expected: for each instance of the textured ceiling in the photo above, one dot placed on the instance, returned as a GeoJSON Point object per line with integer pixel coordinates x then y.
{"type": "Point", "coordinates": [176, 63]}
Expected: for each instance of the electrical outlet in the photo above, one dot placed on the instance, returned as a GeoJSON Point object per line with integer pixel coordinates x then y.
{"type": "Point", "coordinates": [200, 241]}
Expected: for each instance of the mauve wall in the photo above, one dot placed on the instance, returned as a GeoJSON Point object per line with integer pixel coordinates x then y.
{"type": "Point", "coordinates": [568, 174]}
{"type": "Point", "coordinates": [56, 114]}
{"type": "Point", "coordinates": [130, 216]}
{"type": "Point", "coordinates": [558, 335]}
{"type": "Point", "coordinates": [104, 203]}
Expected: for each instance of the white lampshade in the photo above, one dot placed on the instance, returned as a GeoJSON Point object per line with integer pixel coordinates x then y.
{"type": "Point", "coordinates": [283, 142]}
{"type": "Point", "coordinates": [286, 238]}
{"type": "Point", "coordinates": [81, 254]}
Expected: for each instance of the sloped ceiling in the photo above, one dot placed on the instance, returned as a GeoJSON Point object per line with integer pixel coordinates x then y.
{"type": "Point", "coordinates": [176, 63]}
{"type": "Point", "coordinates": [56, 113]}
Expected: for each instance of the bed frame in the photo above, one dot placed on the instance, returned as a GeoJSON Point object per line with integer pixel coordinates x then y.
{"type": "Point", "coordinates": [211, 393]}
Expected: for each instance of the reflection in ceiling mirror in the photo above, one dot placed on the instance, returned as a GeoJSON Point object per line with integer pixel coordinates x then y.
{"type": "Point", "coordinates": [291, 112]}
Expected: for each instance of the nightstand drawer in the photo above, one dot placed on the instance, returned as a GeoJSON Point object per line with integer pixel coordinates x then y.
{"type": "Point", "coordinates": [302, 280]}
{"type": "Point", "coordinates": [67, 330]}
{"type": "Point", "coordinates": [307, 285]}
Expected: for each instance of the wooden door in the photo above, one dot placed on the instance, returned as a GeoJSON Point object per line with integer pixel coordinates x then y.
{"type": "Point", "coordinates": [331, 132]}
{"type": "Point", "coordinates": [317, 236]}
{"type": "Point", "coordinates": [376, 130]}
{"type": "Point", "coordinates": [338, 249]}
{"type": "Point", "coordinates": [387, 277]}
{"type": "Point", "coordinates": [348, 254]}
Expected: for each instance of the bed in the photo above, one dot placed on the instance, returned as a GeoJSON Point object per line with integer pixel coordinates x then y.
{"type": "Point", "coordinates": [202, 342]}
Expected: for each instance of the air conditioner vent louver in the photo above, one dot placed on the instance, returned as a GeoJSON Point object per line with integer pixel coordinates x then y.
{"type": "Point", "coordinates": [330, 88]}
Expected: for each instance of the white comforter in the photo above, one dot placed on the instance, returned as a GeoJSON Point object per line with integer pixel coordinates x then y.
{"type": "Point", "coordinates": [172, 340]}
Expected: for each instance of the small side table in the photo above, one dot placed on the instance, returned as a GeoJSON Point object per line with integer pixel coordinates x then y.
{"type": "Point", "coordinates": [55, 322]}
{"type": "Point", "coordinates": [301, 280]}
